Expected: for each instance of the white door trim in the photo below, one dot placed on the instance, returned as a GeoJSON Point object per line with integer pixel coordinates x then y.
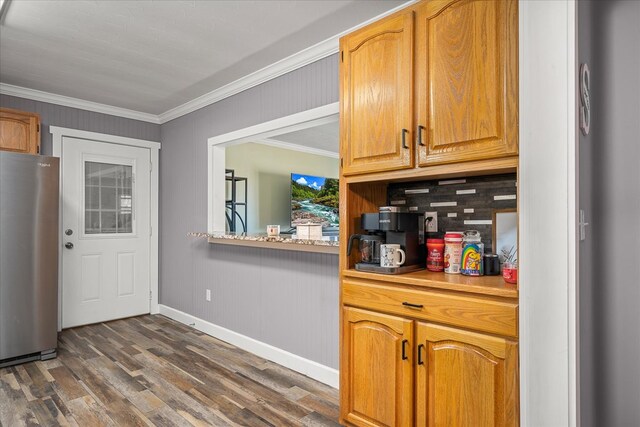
{"type": "Point", "coordinates": [547, 209]}
{"type": "Point", "coordinates": [59, 133]}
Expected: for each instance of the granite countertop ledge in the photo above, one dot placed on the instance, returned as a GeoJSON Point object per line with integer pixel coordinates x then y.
{"type": "Point", "coordinates": [277, 242]}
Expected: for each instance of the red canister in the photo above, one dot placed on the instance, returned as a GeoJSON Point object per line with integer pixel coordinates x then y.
{"type": "Point", "coordinates": [435, 254]}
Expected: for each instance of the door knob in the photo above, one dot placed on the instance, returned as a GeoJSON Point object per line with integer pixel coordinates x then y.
{"type": "Point", "coordinates": [68, 245]}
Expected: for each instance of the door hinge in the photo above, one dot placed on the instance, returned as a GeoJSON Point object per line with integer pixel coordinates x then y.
{"type": "Point", "coordinates": [150, 166]}
{"type": "Point", "coordinates": [38, 128]}
{"type": "Point", "coordinates": [342, 56]}
{"type": "Point", "coordinates": [150, 295]}
{"type": "Point", "coordinates": [150, 231]}
{"type": "Point", "coordinates": [341, 161]}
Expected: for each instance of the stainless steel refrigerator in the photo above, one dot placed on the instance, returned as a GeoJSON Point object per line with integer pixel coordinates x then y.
{"type": "Point", "coordinates": [28, 257]}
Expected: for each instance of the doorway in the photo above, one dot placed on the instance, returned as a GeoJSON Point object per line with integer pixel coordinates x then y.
{"type": "Point", "coordinates": [108, 209]}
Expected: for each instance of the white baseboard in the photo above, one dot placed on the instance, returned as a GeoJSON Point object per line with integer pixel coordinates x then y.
{"type": "Point", "coordinates": [312, 369]}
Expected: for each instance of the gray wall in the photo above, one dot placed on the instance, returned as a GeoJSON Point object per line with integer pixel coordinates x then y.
{"type": "Point", "coordinates": [586, 254]}
{"type": "Point", "coordinates": [286, 299]}
{"type": "Point", "coordinates": [74, 118]}
{"type": "Point", "coordinates": [609, 36]}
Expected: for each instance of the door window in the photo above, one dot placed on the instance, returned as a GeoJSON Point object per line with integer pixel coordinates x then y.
{"type": "Point", "coordinates": [108, 201]}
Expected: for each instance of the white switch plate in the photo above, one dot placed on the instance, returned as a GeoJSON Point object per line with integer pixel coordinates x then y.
{"type": "Point", "coordinates": [208, 297]}
{"type": "Point", "coordinates": [432, 226]}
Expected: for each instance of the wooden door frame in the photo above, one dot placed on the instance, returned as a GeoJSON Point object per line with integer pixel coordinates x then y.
{"type": "Point", "coordinates": [59, 133]}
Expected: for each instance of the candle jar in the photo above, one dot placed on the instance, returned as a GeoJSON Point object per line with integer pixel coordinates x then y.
{"type": "Point", "coordinates": [510, 272]}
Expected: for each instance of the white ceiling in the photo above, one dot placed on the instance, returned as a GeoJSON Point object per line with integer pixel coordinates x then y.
{"type": "Point", "coordinates": [152, 56]}
{"type": "Point", "coordinates": [324, 137]}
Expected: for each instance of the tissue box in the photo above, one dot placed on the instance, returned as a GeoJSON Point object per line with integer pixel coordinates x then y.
{"type": "Point", "coordinates": [309, 231]}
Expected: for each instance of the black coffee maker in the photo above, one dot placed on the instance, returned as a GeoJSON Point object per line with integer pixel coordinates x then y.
{"type": "Point", "coordinates": [397, 226]}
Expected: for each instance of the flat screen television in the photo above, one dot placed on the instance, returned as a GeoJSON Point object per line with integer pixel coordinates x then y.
{"type": "Point", "coordinates": [314, 199]}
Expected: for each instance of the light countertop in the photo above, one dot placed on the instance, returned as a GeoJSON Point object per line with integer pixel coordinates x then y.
{"type": "Point", "coordinates": [283, 242]}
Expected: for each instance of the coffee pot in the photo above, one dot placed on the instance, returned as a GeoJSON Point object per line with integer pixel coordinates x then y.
{"type": "Point", "coordinates": [368, 245]}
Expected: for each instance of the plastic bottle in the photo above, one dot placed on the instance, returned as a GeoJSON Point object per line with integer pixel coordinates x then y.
{"type": "Point", "coordinates": [452, 252]}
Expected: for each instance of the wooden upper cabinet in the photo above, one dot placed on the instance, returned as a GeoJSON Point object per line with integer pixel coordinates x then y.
{"type": "Point", "coordinates": [465, 378]}
{"type": "Point", "coordinates": [376, 95]}
{"type": "Point", "coordinates": [466, 80]}
{"type": "Point", "coordinates": [19, 131]}
{"type": "Point", "coordinates": [377, 386]}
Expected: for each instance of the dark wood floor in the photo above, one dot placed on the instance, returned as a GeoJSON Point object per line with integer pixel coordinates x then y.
{"type": "Point", "coordinates": [151, 370]}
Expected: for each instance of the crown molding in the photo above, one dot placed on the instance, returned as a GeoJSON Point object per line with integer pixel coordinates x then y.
{"type": "Point", "coordinates": [277, 69]}
{"type": "Point", "coordinates": [295, 147]}
{"type": "Point", "coordinates": [298, 60]}
{"type": "Point", "coordinates": [307, 56]}
{"type": "Point", "coordinates": [38, 95]}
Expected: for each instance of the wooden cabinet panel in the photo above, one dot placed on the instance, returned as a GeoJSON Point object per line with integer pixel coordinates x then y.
{"type": "Point", "coordinates": [466, 80]}
{"type": "Point", "coordinates": [376, 95]}
{"type": "Point", "coordinates": [482, 314]}
{"type": "Point", "coordinates": [464, 378]}
{"type": "Point", "coordinates": [443, 73]}
{"type": "Point", "coordinates": [376, 387]}
{"type": "Point", "coordinates": [19, 131]}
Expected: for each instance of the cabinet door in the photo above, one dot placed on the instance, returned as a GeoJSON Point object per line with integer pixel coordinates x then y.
{"type": "Point", "coordinates": [466, 80]}
{"type": "Point", "coordinates": [19, 131]}
{"type": "Point", "coordinates": [464, 378]}
{"type": "Point", "coordinates": [376, 384]}
{"type": "Point", "coordinates": [376, 94]}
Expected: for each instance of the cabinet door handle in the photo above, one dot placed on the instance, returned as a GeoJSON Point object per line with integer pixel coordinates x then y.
{"type": "Point", "coordinates": [404, 349]}
{"type": "Point", "coordinates": [408, 304]}
{"type": "Point", "coordinates": [404, 138]}
{"type": "Point", "coordinates": [419, 132]}
{"type": "Point", "coordinates": [420, 361]}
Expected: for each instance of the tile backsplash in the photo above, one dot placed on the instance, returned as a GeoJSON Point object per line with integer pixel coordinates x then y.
{"type": "Point", "coordinates": [462, 204]}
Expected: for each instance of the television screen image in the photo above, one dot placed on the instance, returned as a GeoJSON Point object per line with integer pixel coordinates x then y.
{"type": "Point", "coordinates": [314, 199]}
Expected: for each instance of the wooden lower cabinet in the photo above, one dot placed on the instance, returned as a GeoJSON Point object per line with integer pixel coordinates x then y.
{"type": "Point", "coordinates": [377, 363]}
{"type": "Point", "coordinates": [465, 378]}
{"type": "Point", "coordinates": [401, 372]}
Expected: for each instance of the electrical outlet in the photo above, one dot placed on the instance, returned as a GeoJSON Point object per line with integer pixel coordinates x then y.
{"type": "Point", "coordinates": [208, 296]}
{"type": "Point", "coordinates": [432, 226]}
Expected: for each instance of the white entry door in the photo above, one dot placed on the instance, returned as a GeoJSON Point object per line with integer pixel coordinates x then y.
{"type": "Point", "coordinates": [106, 231]}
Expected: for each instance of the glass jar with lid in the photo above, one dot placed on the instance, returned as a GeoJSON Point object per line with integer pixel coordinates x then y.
{"type": "Point", "coordinates": [472, 253]}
